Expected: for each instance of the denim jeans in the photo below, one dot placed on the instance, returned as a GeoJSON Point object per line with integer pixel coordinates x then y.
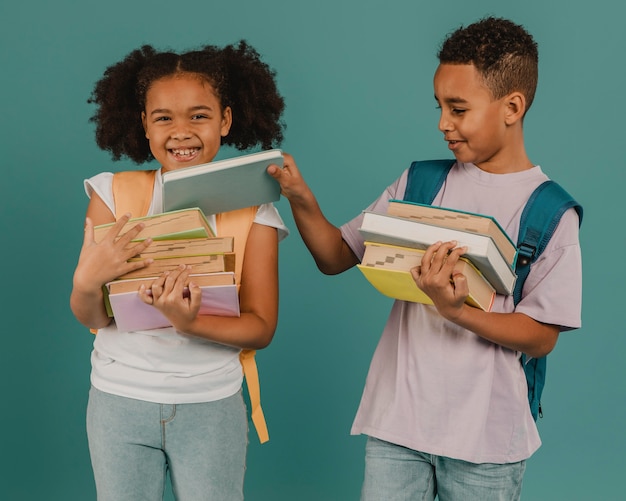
{"type": "Point", "coordinates": [134, 444]}
{"type": "Point", "coordinates": [395, 473]}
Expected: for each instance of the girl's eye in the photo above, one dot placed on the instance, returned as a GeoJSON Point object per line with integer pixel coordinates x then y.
{"type": "Point", "coordinates": [198, 117]}
{"type": "Point", "coordinates": [457, 111]}
{"type": "Point", "coordinates": [161, 119]}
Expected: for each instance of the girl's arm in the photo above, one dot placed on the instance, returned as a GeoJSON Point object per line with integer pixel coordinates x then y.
{"type": "Point", "coordinates": [324, 241]}
{"type": "Point", "coordinates": [516, 331]}
{"type": "Point", "coordinates": [99, 263]}
{"type": "Point", "coordinates": [258, 297]}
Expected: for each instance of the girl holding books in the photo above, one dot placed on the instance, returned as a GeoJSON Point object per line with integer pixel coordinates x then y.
{"type": "Point", "coordinates": [169, 399]}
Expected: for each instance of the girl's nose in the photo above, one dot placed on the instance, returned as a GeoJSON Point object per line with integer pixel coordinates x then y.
{"type": "Point", "coordinates": [180, 133]}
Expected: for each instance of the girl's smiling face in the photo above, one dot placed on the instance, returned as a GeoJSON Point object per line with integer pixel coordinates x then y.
{"type": "Point", "coordinates": [184, 121]}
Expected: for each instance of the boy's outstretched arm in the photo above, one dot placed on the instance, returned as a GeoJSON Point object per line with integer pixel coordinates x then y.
{"type": "Point", "coordinates": [331, 253]}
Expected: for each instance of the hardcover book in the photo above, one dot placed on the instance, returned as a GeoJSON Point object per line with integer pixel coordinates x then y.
{"type": "Point", "coordinates": [461, 220]}
{"type": "Point", "coordinates": [179, 224]}
{"type": "Point", "coordinates": [223, 185]}
{"type": "Point", "coordinates": [482, 250]}
{"type": "Point", "coordinates": [132, 314]}
{"type": "Point", "coordinates": [388, 269]}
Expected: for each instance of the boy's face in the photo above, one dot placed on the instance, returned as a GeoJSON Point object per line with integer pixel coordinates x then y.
{"type": "Point", "coordinates": [472, 121]}
{"type": "Point", "coordinates": [184, 121]}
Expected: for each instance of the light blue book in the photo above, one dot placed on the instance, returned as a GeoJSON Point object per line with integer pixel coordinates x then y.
{"type": "Point", "coordinates": [223, 185]}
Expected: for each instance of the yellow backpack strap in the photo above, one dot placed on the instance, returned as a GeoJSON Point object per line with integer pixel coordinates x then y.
{"type": "Point", "coordinates": [238, 223]}
{"type": "Point", "coordinates": [132, 192]}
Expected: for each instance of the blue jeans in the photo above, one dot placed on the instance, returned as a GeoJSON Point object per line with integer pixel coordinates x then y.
{"type": "Point", "coordinates": [395, 473]}
{"type": "Point", "coordinates": [134, 444]}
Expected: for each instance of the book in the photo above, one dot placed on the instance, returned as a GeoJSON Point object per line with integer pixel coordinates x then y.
{"type": "Point", "coordinates": [388, 269]}
{"type": "Point", "coordinates": [199, 264]}
{"type": "Point", "coordinates": [179, 224]}
{"type": "Point", "coordinates": [461, 220]}
{"type": "Point", "coordinates": [482, 250]}
{"type": "Point", "coordinates": [205, 279]}
{"type": "Point", "coordinates": [223, 185]}
{"type": "Point", "coordinates": [162, 249]}
{"type": "Point", "coordinates": [132, 314]}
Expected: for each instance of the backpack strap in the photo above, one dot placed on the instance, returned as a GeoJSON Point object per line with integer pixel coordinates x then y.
{"type": "Point", "coordinates": [238, 224]}
{"type": "Point", "coordinates": [539, 220]}
{"type": "Point", "coordinates": [132, 192]}
{"type": "Point", "coordinates": [425, 179]}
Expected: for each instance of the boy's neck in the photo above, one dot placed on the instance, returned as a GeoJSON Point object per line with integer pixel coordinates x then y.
{"type": "Point", "coordinates": [512, 159]}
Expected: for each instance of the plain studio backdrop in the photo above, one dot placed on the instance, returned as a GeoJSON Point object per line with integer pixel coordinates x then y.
{"type": "Point", "coordinates": [357, 80]}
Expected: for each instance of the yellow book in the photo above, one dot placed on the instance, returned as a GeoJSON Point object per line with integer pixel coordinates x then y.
{"type": "Point", "coordinates": [387, 268]}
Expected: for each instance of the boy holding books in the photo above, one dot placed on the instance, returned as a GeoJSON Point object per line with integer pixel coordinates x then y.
{"type": "Point", "coordinates": [445, 404]}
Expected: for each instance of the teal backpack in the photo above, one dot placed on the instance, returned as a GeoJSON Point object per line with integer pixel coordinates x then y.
{"type": "Point", "coordinates": [538, 221]}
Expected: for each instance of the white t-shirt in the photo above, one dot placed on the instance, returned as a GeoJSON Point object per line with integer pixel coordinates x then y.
{"type": "Point", "coordinates": [162, 365]}
{"type": "Point", "coordinates": [441, 389]}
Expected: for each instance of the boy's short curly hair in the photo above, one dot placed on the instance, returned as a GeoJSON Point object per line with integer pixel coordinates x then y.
{"type": "Point", "coordinates": [503, 52]}
{"type": "Point", "coordinates": [236, 72]}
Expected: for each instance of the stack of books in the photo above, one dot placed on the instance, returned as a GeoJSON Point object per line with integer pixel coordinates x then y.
{"type": "Point", "coordinates": [396, 241]}
{"type": "Point", "coordinates": [182, 235]}
{"type": "Point", "coordinates": [179, 237]}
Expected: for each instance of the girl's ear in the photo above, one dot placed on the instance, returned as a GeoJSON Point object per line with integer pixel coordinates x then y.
{"type": "Point", "coordinates": [227, 121]}
{"type": "Point", "coordinates": [515, 107]}
{"type": "Point", "coordinates": [143, 122]}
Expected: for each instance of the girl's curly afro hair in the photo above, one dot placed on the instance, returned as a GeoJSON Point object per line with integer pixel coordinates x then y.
{"type": "Point", "coordinates": [237, 74]}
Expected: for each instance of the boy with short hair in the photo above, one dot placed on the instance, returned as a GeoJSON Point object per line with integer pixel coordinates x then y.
{"type": "Point", "coordinates": [445, 404]}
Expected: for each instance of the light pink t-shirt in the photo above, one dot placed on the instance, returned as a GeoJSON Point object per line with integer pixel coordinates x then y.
{"type": "Point", "coordinates": [435, 387]}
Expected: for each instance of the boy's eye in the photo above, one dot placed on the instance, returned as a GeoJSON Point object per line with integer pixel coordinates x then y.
{"type": "Point", "coordinates": [161, 119]}
{"type": "Point", "coordinates": [458, 111]}
{"type": "Point", "coordinates": [198, 117]}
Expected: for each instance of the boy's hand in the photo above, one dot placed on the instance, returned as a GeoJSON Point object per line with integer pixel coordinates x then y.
{"type": "Point", "coordinates": [292, 185]}
{"type": "Point", "coordinates": [175, 296]}
{"type": "Point", "coordinates": [436, 277]}
{"type": "Point", "coordinates": [99, 263]}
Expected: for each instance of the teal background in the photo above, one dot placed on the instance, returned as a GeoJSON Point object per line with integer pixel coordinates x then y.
{"type": "Point", "coordinates": [357, 78]}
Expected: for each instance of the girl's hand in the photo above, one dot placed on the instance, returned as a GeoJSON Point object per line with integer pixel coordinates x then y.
{"type": "Point", "coordinates": [99, 263]}
{"type": "Point", "coordinates": [436, 277]}
{"type": "Point", "coordinates": [174, 296]}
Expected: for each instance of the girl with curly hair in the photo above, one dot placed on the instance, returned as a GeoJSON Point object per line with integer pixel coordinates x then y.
{"type": "Point", "coordinates": [169, 400]}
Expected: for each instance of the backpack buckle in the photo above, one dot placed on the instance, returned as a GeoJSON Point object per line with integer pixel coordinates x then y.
{"type": "Point", "coordinates": [525, 253]}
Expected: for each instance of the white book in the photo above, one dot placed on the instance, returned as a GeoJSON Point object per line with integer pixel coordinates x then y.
{"type": "Point", "coordinates": [223, 185]}
{"type": "Point", "coordinates": [482, 250]}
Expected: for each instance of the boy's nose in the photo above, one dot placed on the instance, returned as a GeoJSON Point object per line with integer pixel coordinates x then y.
{"type": "Point", "coordinates": [444, 124]}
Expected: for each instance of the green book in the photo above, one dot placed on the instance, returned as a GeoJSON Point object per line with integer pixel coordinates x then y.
{"type": "Point", "coordinates": [172, 225]}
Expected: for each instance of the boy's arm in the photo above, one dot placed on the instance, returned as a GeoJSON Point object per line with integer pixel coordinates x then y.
{"type": "Point", "coordinates": [331, 253]}
{"type": "Point", "coordinates": [516, 331]}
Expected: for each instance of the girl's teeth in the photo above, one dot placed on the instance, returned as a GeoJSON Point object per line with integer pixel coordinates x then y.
{"type": "Point", "coordinates": [183, 153]}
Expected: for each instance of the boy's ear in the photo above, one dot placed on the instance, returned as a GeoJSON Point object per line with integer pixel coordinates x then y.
{"type": "Point", "coordinates": [515, 107]}
{"type": "Point", "coordinates": [227, 121]}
